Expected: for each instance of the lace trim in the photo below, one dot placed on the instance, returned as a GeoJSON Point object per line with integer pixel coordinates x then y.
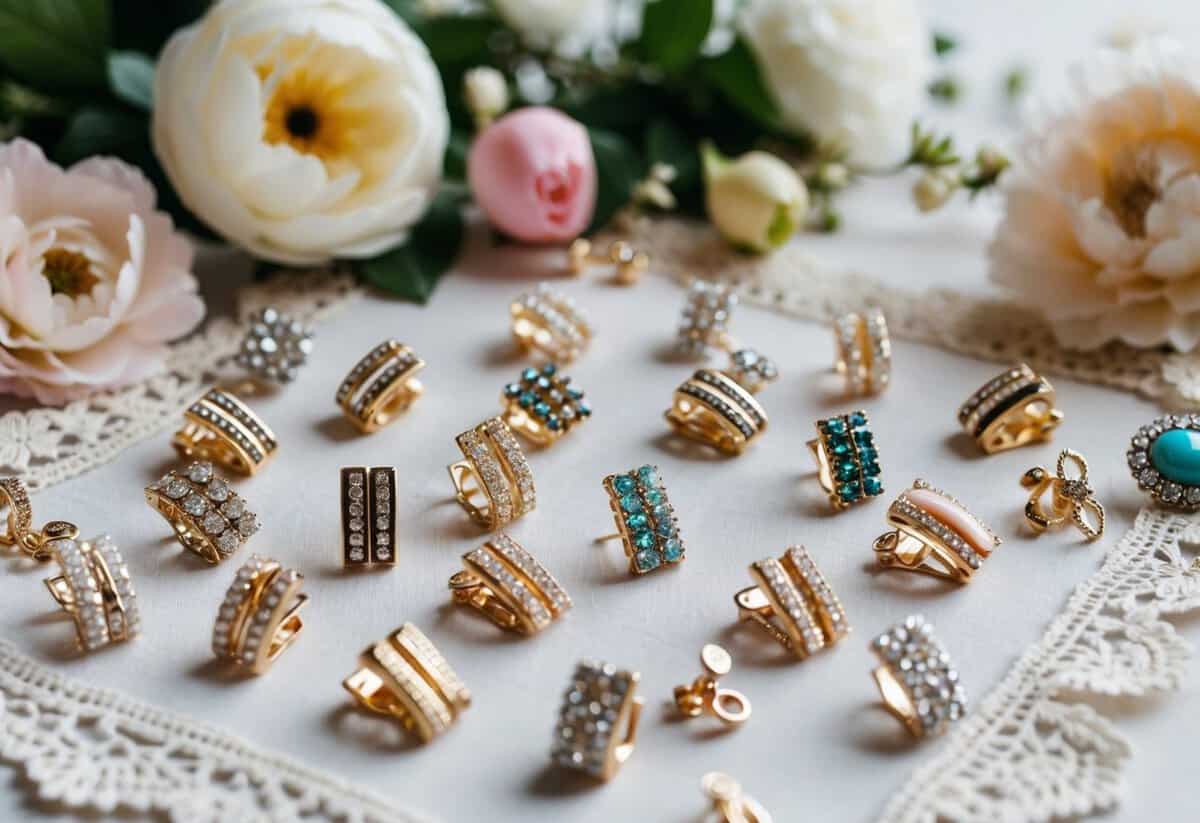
{"type": "Point", "coordinates": [49, 445]}
{"type": "Point", "coordinates": [792, 282]}
{"type": "Point", "coordinates": [95, 750]}
{"type": "Point", "coordinates": [1031, 750]}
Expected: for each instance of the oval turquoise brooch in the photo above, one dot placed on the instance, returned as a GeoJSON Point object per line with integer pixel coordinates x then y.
{"type": "Point", "coordinates": [1164, 457]}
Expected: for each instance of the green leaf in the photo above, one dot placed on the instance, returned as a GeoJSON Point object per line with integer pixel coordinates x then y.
{"type": "Point", "coordinates": [407, 10]}
{"type": "Point", "coordinates": [101, 130]}
{"type": "Point", "coordinates": [131, 78]}
{"type": "Point", "coordinates": [669, 144]}
{"type": "Point", "coordinates": [458, 40]}
{"type": "Point", "coordinates": [454, 163]}
{"type": "Point", "coordinates": [145, 25]}
{"type": "Point", "coordinates": [55, 44]}
{"type": "Point", "coordinates": [943, 43]}
{"type": "Point", "coordinates": [413, 270]}
{"type": "Point", "coordinates": [673, 32]}
{"type": "Point", "coordinates": [736, 75]}
{"type": "Point", "coordinates": [618, 168]}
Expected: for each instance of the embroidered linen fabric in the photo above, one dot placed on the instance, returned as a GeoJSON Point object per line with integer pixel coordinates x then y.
{"type": "Point", "coordinates": [94, 750]}
{"type": "Point", "coordinates": [1032, 749]}
{"type": "Point", "coordinates": [48, 446]}
{"type": "Point", "coordinates": [790, 281]}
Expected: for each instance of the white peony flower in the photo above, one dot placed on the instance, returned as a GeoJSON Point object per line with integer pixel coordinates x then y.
{"type": "Point", "coordinates": [850, 72]}
{"type": "Point", "coordinates": [547, 23]}
{"type": "Point", "coordinates": [1102, 214]}
{"type": "Point", "coordinates": [301, 130]}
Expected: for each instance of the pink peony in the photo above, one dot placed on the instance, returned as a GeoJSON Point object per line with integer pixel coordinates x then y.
{"type": "Point", "coordinates": [533, 174]}
{"type": "Point", "coordinates": [95, 282]}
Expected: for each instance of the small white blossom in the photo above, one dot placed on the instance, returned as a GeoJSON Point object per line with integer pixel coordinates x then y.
{"type": "Point", "coordinates": [485, 92]}
{"type": "Point", "coordinates": [933, 189]}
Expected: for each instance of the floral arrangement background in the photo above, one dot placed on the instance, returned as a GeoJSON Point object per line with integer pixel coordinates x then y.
{"type": "Point", "coordinates": [354, 132]}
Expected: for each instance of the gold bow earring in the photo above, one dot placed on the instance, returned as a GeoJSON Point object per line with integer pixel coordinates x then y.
{"type": "Point", "coordinates": [1072, 498]}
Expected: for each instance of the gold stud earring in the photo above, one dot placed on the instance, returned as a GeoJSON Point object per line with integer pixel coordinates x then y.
{"type": "Point", "coordinates": [705, 696]}
{"type": "Point", "coordinates": [630, 264]}
{"type": "Point", "coordinates": [1071, 497]}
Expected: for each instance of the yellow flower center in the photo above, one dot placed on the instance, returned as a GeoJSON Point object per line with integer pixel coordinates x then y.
{"type": "Point", "coordinates": [69, 272]}
{"type": "Point", "coordinates": [331, 101]}
{"type": "Point", "coordinates": [1129, 193]}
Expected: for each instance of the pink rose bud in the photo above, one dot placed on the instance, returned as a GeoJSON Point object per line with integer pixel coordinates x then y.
{"type": "Point", "coordinates": [533, 174]}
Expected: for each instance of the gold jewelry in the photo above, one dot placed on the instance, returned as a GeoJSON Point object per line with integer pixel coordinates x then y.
{"type": "Point", "coordinates": [507, 584]}
{"type": "Point", "coordinates": [495, 469]}
{"type": "Point", "coordinates": [259, 618]}
{"type": "Point", "coordinates": [630, 263]}
{"type": "Point", "coordinates": [94, 588]}
{"type": "Point", "coordinates": [794, 604]}
{"type": "Point", "coordinates": [704, 320]}
{"type": "Point", "coordinates": [710, 407]}
{"type": "Point", "coordinates": [934, 534]}
{"type": "Point", "coordinates": [550, 324]}
{"type": "Point", "coordinates": [847, 459]}
{"type": "Point", "coordinates": [19, 531]}
{"type": "Point", "coordinates": [730, 803]}
{"type": "Point", "coordinates": [542, 405]}
{"type": "Point", "coordinates": [406, 678]}
{"type": "Point", "coordinates": [915, 678]}
{"type": "Point", "coordinates": [222, 429]}
{"type": "Point", "coordinates": [381, 385]}
{"type": "Point", "coordinates": [1071, 497]}
{"type": "Point", "coordinates": [1011, 410]}
{"type": "Point", "coordinates": [705, 695]}
{"type": "Point", "coordinates": [752, 370]}
{"type": "Point", "coordinates": [598, 720]}
{"type": "Point", "coordinates": [864, 351]}
{"type": "Point", "coordinates": [646, 522]}
{"type": "Point", "coordinates": [368, 523]}
{"type": "Point", "coordinates": [208, 517]}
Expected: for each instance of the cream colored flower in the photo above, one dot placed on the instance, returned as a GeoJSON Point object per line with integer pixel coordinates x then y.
{"type": "Point", "coordinates": [1101, 229]}
{"type": "Point", "coordinates": [301, 130]}
{"type": "Point", "coordinates": [850, 72]}
{"type": "Point", "coordinates": [548, 23]}
{"type": "Point", "coordinates": [756, 201]}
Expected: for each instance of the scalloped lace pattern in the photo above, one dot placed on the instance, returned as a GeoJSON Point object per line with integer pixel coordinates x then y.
{"type": "Point", "coordinates": [1033, 750]}
{"type": "Point", "coordinates": [98, 751]}
{"type": "Point", "coordinates": [792, 282]}
{"type": "Point", "coordinates": [49, 445]}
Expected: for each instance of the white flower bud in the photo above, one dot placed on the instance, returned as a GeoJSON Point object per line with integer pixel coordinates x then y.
{"type": "Point", "coordinates": [756, 201]}
{"type": "Point", "coordinates": [933, 189]}
{"type": "Point", "coordinates": [833, 176]}
{"type": "Point", "coordinates": [485, 92]}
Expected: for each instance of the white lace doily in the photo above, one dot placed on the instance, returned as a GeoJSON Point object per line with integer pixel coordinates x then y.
{"type": "Point", "coordinates": [1033, 750]}
{"type": "Point", "coordinates": [792, 282]}
{"type": "Point", "coordinates": [50, 445]}
{"type": "Point", "coordinates": [94, 750]}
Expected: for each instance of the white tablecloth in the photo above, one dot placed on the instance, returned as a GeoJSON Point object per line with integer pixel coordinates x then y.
{"type": "Point", "coordinates": [817, 747]}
